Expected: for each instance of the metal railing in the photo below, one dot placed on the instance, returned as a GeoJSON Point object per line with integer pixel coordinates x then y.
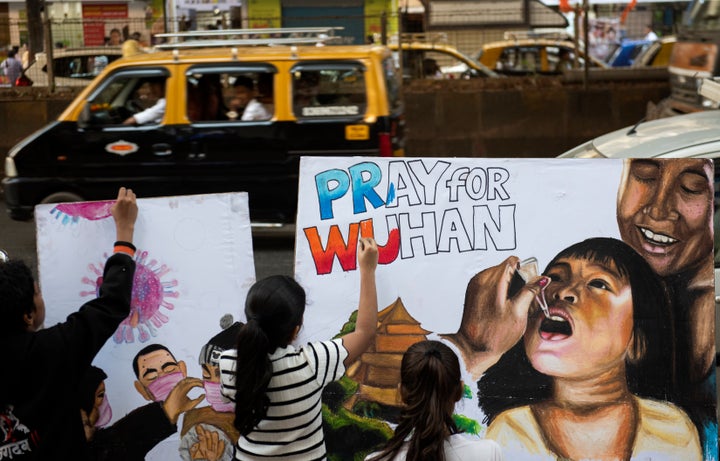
{"type": "Point", "coordinates": [250, 37]}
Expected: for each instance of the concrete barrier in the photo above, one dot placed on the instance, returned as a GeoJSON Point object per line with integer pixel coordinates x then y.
{"type": "Point", "coordinates": [25, 110]}
{"type": "Point", "coordinates": [528, 117]}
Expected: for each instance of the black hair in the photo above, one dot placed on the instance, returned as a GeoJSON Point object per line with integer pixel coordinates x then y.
{"type": "Point", "coordinates": [225, 340]}
{"type": "Point", "coordinates": [430, 384]}
{"type": "Point", "coordinates": [88, 387]}
{"type": "Point", "coordinates": [274, 309]}
{"type": "Point", "coordinates": [157, 80]}
{"type": "Point", "coordinates": [513, 382]}
{"type": "Point", "coordinates": [247, 82]}
{"type": "Point", "coordinates": [17, 291]}
{"type": "Point", "coordinates": [146, 350]}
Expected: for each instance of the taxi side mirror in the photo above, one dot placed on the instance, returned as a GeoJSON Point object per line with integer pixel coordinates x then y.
{"type": "Point", "coordinates": [90, 119]}
{"type": "Point", "coordinates": [85, 118]}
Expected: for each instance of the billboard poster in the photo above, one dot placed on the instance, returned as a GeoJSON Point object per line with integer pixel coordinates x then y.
{"type": "Point", "coordinates": [617, 349]}
{"type": "Point", "coordinates": [194, 265]}
{"type": "Point", "coordinates": [95, 18]}
{"type": "Point", "coordinates": [264, 14]}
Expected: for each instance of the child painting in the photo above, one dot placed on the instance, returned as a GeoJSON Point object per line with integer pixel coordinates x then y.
{"type": "Point", "coordinates": [592, 380]}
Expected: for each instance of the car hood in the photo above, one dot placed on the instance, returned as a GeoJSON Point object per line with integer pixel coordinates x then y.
{"type": "Point", "coordinates": [661, 137]}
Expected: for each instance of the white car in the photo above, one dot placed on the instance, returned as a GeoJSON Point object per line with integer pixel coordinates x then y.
{"type": "Point", "coordinates": [690, 135]}
{"type": "Point", "coordinates": [73, 67]}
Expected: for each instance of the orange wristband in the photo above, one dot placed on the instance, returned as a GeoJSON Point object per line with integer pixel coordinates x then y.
{"type": "Point", "coordinates": [124, 247]}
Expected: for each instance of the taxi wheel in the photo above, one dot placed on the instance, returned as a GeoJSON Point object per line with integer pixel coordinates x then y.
{"type": "Point", "coordinates": [60, 197]}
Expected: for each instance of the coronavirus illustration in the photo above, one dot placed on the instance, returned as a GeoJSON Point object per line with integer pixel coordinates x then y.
{"type": "Point", "coordinates": [70, 213]}
{"type": "Point", "coordinates": [149, 293]}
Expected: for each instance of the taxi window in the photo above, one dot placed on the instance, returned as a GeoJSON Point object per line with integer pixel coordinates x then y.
{"type": "Point", "coordinates": [335, 90]}
{"type": "Point", "coordinates": [520, 59]}
{"type": "Point", "coordinates": [133, 99]}
{"type": "Point", "coordinates": [230, 94]}
{"type": "Point", "coordinates": [559, 58]}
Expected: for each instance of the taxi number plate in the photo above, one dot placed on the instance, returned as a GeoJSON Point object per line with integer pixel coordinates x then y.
{"type": "Point", "coordinates": [357, 132]}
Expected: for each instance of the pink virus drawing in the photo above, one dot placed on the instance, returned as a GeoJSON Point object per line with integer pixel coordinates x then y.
{"type": "Point", "coordinates": [149, 293]}
{"type": "Point", "coordinates": [72, 212]}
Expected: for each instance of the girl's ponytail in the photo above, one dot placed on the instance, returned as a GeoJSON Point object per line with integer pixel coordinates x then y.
{"type": "Point", "coordinates": [254, 371]}
{"type": "Point", "coordinates": [274, 310]}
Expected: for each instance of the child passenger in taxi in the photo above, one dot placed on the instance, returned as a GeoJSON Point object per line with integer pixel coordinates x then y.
{"type": "Point", "coordinates": [244, 104]}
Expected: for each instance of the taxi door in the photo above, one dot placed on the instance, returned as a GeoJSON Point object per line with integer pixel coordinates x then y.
{"type": "Point", "coordinates": [108, 148]}
{"type": "Point", "coordinates": [331, 102]}
{"type": "Point", "coordinates": [233, 142]}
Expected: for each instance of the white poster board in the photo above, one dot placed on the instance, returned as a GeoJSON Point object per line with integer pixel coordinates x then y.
{"type": "Point", "coordinates": [438, 222]}
{"type": "Point", "coordinates": [450, 228]}
{"type": "Point", "coordinates": [198, 249]}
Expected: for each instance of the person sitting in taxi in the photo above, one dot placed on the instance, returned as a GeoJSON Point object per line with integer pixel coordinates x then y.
{"type": "Point", "coordinates": [244, 105]}
{"type": "Point", "coordinates": [154, 113]}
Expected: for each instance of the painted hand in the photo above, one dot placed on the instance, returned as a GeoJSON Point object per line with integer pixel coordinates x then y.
{"type": "Point", "coordinates": [492, 323]}
{"type": "Point", "coordinates": [209, 446]}
{"type": "Point", "coordinates": [178, 401]}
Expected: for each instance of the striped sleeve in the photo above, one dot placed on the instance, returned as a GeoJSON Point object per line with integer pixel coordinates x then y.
{"type": "Point", "coordinates": [228, 364]}
{"type": "Point", "coordinates": [326, 359]}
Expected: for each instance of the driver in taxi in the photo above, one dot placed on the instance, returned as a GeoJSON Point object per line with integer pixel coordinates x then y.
{"type": "Point", "coordinates": [154, 113]}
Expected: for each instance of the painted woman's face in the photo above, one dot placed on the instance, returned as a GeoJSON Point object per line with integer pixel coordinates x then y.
{"type": "Point", "coordinates": [665, 212]}
{"type": "Point", "coordinates": [99, 396]}
{"type": "Point", "coordinates": [592, 321]}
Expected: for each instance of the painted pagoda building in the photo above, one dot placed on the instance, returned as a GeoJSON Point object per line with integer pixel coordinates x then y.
{"type": "Point", "coordinates": [377, 372]}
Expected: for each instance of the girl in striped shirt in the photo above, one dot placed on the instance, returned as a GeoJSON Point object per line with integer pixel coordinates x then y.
{"type": "Point", "coordinates": [277, 387]}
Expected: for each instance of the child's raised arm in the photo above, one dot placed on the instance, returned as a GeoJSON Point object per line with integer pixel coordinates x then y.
{"type": "Point", "coordinates": [359, 340]}
{"type": "Point", "coordinates": [124, 212]}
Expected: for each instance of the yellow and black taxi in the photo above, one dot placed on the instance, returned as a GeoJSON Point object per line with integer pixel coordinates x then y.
{"type": "Point", "coordinates": [208, 116]}
{"type": "Point", "coordinates": [530, 56]}
{"type": "Point", "coordinates": [657, 54]}
{"type": "Point", "coordinates": [436, 60]}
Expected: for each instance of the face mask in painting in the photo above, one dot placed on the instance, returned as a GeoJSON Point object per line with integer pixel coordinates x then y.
{"type": "Point", "coordinates": [161, 387]}
{"type": "Point", "coordinates": [105, 413]}
{"type": "Point", "coordinates": [215, 398]}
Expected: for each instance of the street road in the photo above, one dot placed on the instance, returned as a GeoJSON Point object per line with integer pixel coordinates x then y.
{"type": "Point", "coordinates": [273, 255]}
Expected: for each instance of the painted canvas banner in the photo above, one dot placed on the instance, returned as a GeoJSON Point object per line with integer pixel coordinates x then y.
{"type": "Point", "coordinates": [194, 265]}
{"type": "Point", "coordinates": [624, 356]}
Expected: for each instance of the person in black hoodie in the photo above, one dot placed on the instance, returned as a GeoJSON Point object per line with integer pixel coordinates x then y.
{"type": "Point", "coordinates": [43, 368]}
